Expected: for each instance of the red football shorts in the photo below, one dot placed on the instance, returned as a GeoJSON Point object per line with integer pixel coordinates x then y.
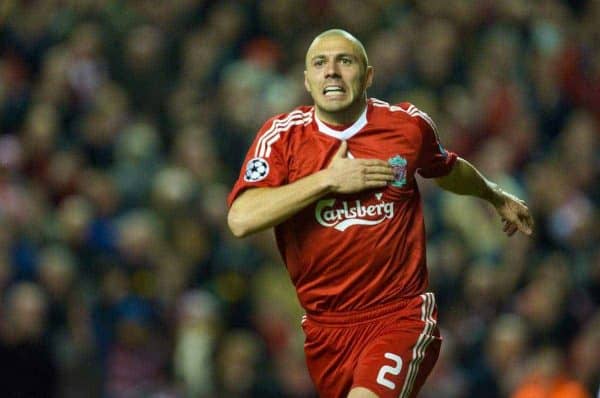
{"type": "Point", "coordinates": [389, 350]}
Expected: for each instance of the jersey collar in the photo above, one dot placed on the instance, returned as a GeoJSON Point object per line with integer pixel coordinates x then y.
{"type": "Point", "coordinates": [347, 133]}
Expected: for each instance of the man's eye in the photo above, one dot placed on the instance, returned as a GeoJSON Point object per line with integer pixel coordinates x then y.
{"type": "Point", "coordinates": [319, 62]}
{"type": "Point", "coordinates": [346, 61]}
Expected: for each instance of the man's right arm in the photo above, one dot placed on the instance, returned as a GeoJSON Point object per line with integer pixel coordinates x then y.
{"type": "Point", "coordinates": [260, 208]}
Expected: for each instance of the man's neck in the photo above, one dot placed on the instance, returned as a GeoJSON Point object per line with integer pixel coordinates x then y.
{"type": "Point", "coordinates": [342, 118]}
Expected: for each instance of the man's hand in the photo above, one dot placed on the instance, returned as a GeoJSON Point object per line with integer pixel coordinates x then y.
{"type": "Point", "coordinates": [355, 175]}
{"type": "Point", "coordinates": [465, 179]}
{"type": "Point", "coordinates": [515, 214]}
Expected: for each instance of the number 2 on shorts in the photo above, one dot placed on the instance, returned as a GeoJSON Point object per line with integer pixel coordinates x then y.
{"type": "Point", "coordinates": [393, 370]}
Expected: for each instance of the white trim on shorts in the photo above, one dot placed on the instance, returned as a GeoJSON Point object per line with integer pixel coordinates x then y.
{"type": "Point", "coordinates": [425, 338]}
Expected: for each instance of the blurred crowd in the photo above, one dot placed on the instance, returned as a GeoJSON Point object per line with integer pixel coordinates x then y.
{"type": "Point", "coordinates": [123, 125]}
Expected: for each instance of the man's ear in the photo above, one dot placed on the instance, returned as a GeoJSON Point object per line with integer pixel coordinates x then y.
{"type": "Point", "coordinates": [306, 85]}
{"type": "Point", "coordinates": [369, 77]}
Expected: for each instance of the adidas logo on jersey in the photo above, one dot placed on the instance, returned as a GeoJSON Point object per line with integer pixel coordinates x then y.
{"type": "Point", "coordinates": [346, 214]}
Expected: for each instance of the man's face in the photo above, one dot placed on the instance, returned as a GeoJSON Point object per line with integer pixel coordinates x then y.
{"type": "Point", "coordinates": [336, 76]}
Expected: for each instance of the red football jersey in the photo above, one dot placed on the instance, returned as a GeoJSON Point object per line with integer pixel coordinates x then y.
{"type": "Point", "coordinates": [357, 251]}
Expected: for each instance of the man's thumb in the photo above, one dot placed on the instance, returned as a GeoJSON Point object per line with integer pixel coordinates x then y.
{"type": "Point", "coordinates": [342, 150]}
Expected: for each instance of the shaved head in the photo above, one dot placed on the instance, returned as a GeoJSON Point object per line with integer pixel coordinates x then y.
{"type": "Point", "coordinates": [359, 48]}
{"type": "Point", "coordinates": [337, 76]}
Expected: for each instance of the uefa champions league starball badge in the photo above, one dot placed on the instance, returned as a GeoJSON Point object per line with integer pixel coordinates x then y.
{"type": "Point", "coordinates": [398, 164]}
{"type": "Point", "coordinates": [256, 169]}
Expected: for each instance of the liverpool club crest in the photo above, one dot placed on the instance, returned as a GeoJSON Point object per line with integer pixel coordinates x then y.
{"type": "Point", "coordinates": [398, 164]}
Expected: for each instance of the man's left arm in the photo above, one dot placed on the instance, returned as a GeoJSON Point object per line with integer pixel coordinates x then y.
{"type": "Point", "coordinates": [465, 179]}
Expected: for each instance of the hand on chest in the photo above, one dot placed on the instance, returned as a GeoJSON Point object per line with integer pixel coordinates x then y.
{"type": "Point", "coordinates": [396, 151]}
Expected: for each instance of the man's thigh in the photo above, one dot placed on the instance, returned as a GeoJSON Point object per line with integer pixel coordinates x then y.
{"type": "Point", "coordinates": [396, 364]}
{"type": "Point", "coordinates": [391, 356]}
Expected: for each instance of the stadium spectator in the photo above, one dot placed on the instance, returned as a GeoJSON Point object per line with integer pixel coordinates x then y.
{"type": "Point", "coordinates": [100, 101]}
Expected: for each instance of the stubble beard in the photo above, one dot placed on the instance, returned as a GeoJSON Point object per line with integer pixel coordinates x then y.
{"type": "Point", "coordinates": [342, 113]}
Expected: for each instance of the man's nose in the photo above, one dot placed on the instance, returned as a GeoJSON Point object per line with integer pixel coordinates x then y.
{"type": "Point", "coordinates": [331, 70]}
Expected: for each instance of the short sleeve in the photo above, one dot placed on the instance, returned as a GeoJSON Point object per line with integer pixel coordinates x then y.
{"type": "Point", "coordinates": [434, 160]}
{"type": "Point", "coordinates": [264, 164]}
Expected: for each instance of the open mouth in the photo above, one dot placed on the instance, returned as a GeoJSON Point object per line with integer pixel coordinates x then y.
{"type": "Point", "coordinates": [333, 90]}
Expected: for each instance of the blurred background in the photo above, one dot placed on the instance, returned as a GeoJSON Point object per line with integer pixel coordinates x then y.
{"type": "Point", "coordinates": [123, 125]}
